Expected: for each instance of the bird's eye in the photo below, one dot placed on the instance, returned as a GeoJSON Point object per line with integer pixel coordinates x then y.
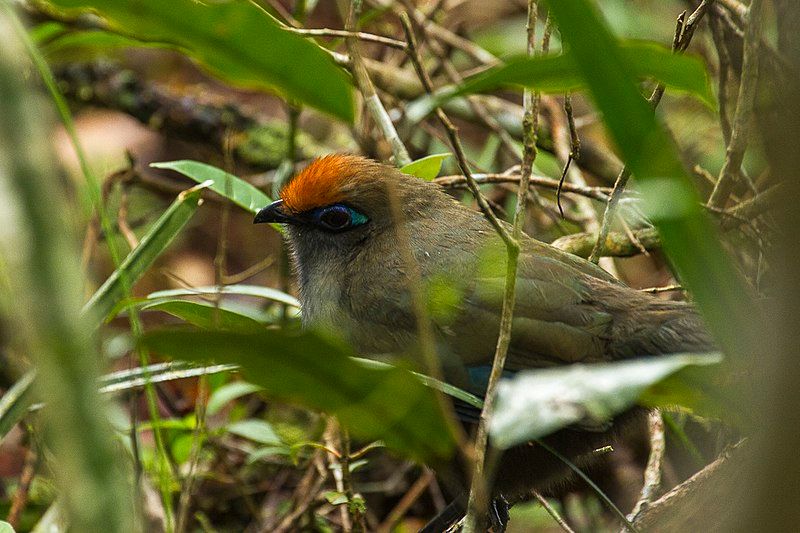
{"type": "Point", "coordinates": [339, 217]}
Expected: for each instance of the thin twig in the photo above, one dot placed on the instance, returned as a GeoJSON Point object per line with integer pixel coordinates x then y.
{"type": "Point", "coordinates": [683, 35]}
{"type": "Point", "coordinates": [360, 35]}
{"type": "Point", "coordinates": [575, 147]}
{"type": "Point", "coordinates": [367, 89]}
{"type": "Point", "coordinates": [479, 491]}
{"type": "Point", "coordinates": [740, 132]}
{"type": "Point", "coordinates": [408, 499]}
{"type": "Point", "coordinates": [20, 499]}
{"type": "Point", "coordinates": [652, 472]}
{"type": "Point", "coordinates": [452, 133]}
{"type": "Point", "coordinates": [552, 512]}
{"type": "Point", "coordinates": [595, 193]}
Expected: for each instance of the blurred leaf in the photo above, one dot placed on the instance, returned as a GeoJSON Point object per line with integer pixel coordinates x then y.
{"type": "Point", "coordinates": [227, 185]}
{"type": "Point", "coordinates": [15, 402]}
{"type": "Point", "coordinates": [561, 73]}
{"type": "Point", "coordinates": [256, 430]}
{"type": "Point", "coordinates": [93, 40]}
{"type": "Point", "coordinates": [336, 497]}
{"type": "Point", "coordinates": [268, 451]}
{"type": "Point", "coordinates": [163, 232]}
{"type": "Point", "coordinates": [304, 367]}
{"type": "Point", "coordinates": [237, 41]}
{"type": "Point", "coordinates": [227, 393]}
{"type": "Point", "coordinates": [670, 199]}
{"type": "Point", "coordinates": [427, 167]}
{"type": "Point", "coordinates": [5, 527]}
{"type": "Point", "coordinates": [206, 316]}
{"type": "Point", "coordinates": [536, 403]}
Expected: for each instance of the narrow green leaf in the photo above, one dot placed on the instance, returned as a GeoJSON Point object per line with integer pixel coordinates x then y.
{"type": "Point", "coordinates": [561, 73]}
{"type": "Point", "coordinates": [15, 402]}
{"type": "Point", "coordinates": [227, 393]}
{"type": "Point", "coordinates": [227, 185]}
{"type": "Point", "coordinates": [206, 316]}
{"type": "Point", "coordinates": [670, 199]}
{"type": "Point", "coordinates": [237, 41]}
{"type": "Point", "coordinates": [258, 431]}
{"type": "Point", "coordinates": [427, 167]}
{"type": "Point", "coordinates": [450, 390]}
{"type": "Point", "coordinates": [535, 403]}
{"type": "Point", "coordinates": [304, 367]}
{"type": "Point", "coordinates": [163, 232]}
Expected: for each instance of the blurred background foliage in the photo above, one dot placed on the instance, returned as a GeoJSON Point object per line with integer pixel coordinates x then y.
{"type": "Point", "coordinates": [129, 254]}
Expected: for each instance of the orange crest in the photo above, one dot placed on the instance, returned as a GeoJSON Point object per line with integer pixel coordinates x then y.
{"type": "Point", "coordinates": [320, 183]}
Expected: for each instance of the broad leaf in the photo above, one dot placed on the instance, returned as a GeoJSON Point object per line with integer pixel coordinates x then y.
{"type": "Point", "coordinates": [535, 403]}
{"type": "Point", "coordinates": [387, 403]}
{"type": "Point", "coordinates": [237, 41]}
{"type": "Point", "coordinates": [427, 167]}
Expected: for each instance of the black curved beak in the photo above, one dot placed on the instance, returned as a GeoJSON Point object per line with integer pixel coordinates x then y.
{"type": "Point", "coordinates": [272, 213]}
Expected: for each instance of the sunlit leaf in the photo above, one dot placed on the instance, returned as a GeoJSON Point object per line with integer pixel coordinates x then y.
{"type": "Point", "coordinates": [427, 167]}
{"type": "Point", "coordinates": [304, 367]}
{"type": "Point", "coordinates": [227, 185]}
{"type": "Point", "coordinates": [237, 41]}
{"type": "Point", "coordinates": [239, 289]}
{"type": "Point", "coordinates": [535, 403]}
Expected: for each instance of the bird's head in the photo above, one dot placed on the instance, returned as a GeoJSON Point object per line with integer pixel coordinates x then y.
{"type": "Point", "coordinates": [339, 202]}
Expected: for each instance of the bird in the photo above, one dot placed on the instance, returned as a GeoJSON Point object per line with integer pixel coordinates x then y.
{"type": "Point", "coordinates": [347, 219]}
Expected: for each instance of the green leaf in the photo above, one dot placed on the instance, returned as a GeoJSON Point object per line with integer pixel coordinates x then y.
{"type": "Point", "coordinates": [94, 40]}
{"type": "Point", "coordinates": [335, 497]}
{"type": "Point", "coordinates": [535, 403]}
{"type": "Point", "coordinates": [206, 316]}
{"type": "Point", "coordinates": [227, 393]}
{"type": "Point", "coordinates": [15, 402]}
{"type": "Point", "coordinates": [427, 167]}
{"type": "Point", "coordinates": [561, 73]}
{"type": "Point", "coordinates": [163, 232]}
{"type": "Point", "coordinates": [227, 185]}
{"type": "Point", "coordinates": [237, 41]}
{"type": "Point", "coordinates": [305, 367]}
{"type": "Point", "coordinates": [5, 527]}
{"type": "Point", "coordinates": [670, 199]}
{"type": "Point", "coordinates": [258, 431]}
